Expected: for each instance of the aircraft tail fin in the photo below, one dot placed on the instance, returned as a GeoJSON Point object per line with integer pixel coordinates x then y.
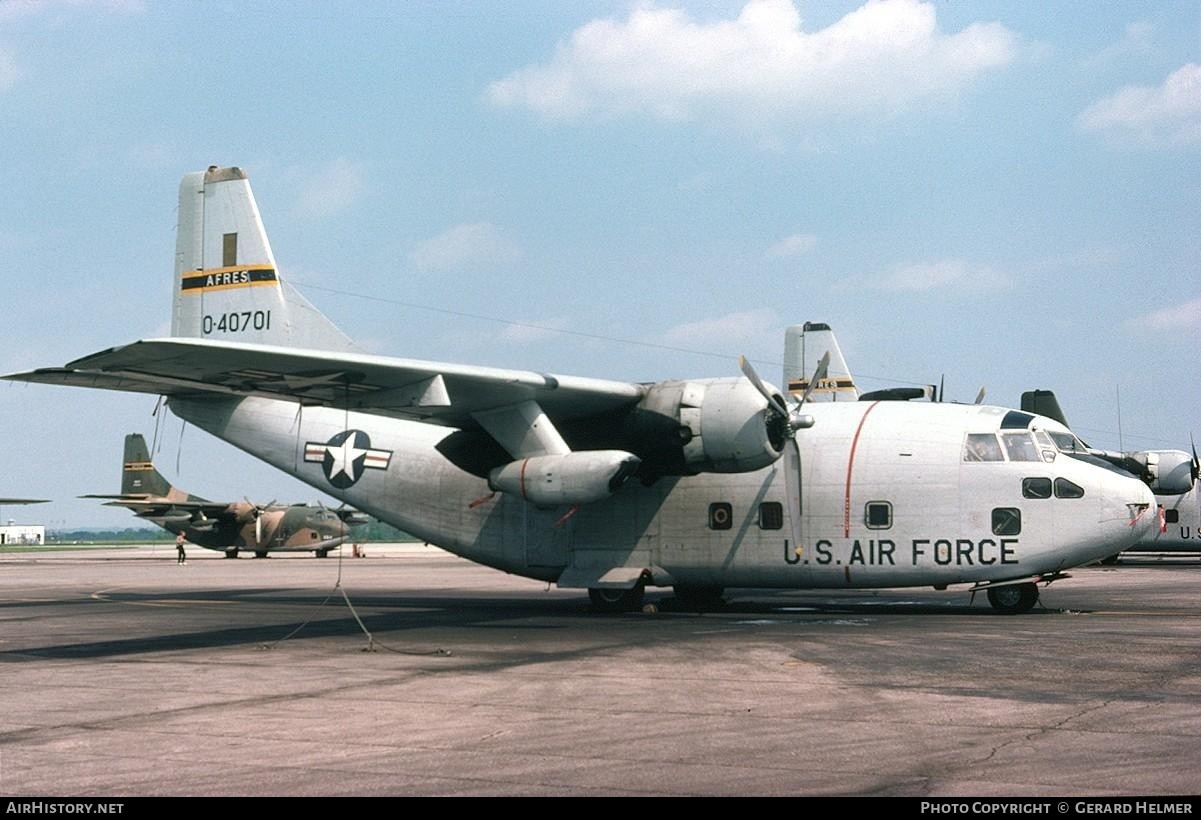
{"type": "Point", "coordinates": [227, 286]}
{"type": "Point", "coordinates": [804, 345]}
{"type": "Point", "coordinates": [138, 475]}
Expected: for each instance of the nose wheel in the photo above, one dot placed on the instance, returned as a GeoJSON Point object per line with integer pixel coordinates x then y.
{"type": "Point", "coordinates": [1013, 599]}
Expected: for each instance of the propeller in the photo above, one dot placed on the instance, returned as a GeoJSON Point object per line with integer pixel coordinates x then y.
{"type": "Point", "coordinates": [1196, 461]}
{"type": "Point", "coordinates": [980, 396]}
{"type": "Point", "coordinates": [792, 422]}
{"type": "Point", "coordinates": [256, 511]}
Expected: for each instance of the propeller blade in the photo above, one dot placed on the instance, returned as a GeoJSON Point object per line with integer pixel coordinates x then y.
{"type": "Point", "coordinates": [1196, 461]}
{"type": "Point", "coordinates": [258, 531]}
{"type": "Point", "coordinates": [980, 396]}
{"type": "Point", "coordinates": [819, 373]}
{"type": "Point", "coordinates": [773, 399]}
{"type": "Point", "coordinates": [942, 381]}
{"type": "Point", "coordinates": [792, 489]}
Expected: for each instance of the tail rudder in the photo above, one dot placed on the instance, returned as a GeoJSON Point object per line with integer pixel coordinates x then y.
{"type": "Point", "coordinates": [138, 475]}
{"type": "Point", "coordinates": [804, 345]}
{"type": "Point", "coordinates": [227, 285]}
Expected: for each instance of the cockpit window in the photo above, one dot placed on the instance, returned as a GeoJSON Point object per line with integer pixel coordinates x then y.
{"type": "Point", "coordinates": [1067, 489]}
{"type": "Point", "coordinates": [1045, 446]}
{"type": "Point", "coordinates": [1020, 447]}
{"type": "Point", "coordinates": [1068, 443]}
{"type": "Point", "coordinates": [981, 447]}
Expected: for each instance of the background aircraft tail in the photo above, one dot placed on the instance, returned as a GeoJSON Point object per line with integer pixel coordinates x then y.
{"type": "Point", "coordinates": [227, 286]}
{"type": "Point", "coordinates": [804, 345]}
{"type": "Point", "coordinates": [138, 475]}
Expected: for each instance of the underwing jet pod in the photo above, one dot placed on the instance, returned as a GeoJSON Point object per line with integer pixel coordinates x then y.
{"type": "Point", "coordinates": [611, 486]}
{"type": "Point", "coordinates": [1171, 474]}
{"type": "Point", "coordinates": [222, 525]}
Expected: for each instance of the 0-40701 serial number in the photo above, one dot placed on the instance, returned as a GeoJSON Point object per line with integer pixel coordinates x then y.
{"type": "Point", "coordinates": [234, 322]}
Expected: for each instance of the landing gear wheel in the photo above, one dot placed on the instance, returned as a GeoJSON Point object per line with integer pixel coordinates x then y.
{"type": "Point", "coordinates": [1013, 599]}
{"type": "Point", "coordinates": [699, 598]}
{"type": "Point", "coordinates": [617, 600]}
{"type": "Point", "coordinates": [231, 553]}
{"type": "Point", "coordinates": [262, 554]}
{"type": "Point", "coordinates": [322, 553]}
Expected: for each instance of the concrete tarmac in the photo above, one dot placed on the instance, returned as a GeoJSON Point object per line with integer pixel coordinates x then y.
{"type": "Point", "coordinates": [125, 674]}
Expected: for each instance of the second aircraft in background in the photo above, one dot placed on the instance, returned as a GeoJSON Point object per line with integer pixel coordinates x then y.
{"type": "Point", "coordinates": [227, 526]}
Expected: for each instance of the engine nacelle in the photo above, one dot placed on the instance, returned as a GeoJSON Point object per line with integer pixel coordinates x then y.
{"type": "Point", "coordinates": [1167, 472]}
{"type": "Point", "coordinates": [579, 477]}
{"type": "Point", "coordinates": [710, 426]}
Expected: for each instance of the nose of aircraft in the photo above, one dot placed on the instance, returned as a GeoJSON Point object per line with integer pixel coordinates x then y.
{"type": "Point", "coordinates": [1128, 510]}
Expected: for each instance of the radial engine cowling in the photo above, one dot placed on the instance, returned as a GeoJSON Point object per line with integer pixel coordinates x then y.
{"type": "Point", "coordinates": [580, 477]}
{"type": "Point", "coordinates": [1168, 472]}
{"type": "Point", "coordinates": [717, 426]}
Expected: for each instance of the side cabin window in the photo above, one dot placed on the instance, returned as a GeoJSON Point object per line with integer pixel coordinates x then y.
{"type": "Point", "coordinates": [981, 447]}
{"type": "Point", "coordinates": [1036, 488]}
{"type": "Point", "coordinates": [721, 515]}
{"type": "Point", "coordinates": [1006, 521]}
{"type": "Point", "coordinates": [1067, 489]}
{"type": "Point", "coordinates": [878, 515]}
{"type": "Point", "coordinates": [1020, 447]}
{"type": "Point", "coordinates": [771, 515]}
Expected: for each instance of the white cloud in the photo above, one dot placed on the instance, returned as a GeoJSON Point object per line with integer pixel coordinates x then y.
{"type": "Point", "coordinates": [795, 245]}
{"type": "Point", "coordinates": [742, 327]}
{"type": "Point", "coordinates": [1187, 315]}
{"type": "Point", "coordinates": [475, 244]}
{"type": "Point", "coordinates": [884, 56]}
{"type": "Point", "coordinates": [1136, 39]}
{"type": "Point", "coordinates": [330, 188]}
{"type": "Point", "coordinates": [1151, 116]}
{"type": "Point", "coordinates": [947, 274]}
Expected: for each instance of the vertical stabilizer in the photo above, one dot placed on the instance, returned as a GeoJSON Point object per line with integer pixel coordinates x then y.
{"type": "Point", "coordinates": [138, 476]}
{"type": "Point", "coordinates": [804, 345]}
{"type": "Point", "coordinates": [227, 286]}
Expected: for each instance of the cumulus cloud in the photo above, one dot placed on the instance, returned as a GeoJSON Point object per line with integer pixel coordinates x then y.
{"type": "Point", "coordinates": [1136, 40]}
{"type": "Point", "coordinates": [330, 188]}
{"type": "Point", "coordinates": [946, 274]}
{"type": "Point", "coordinates": [475, 244]}
{"type": "Point", "coordinates": [883, 56]}
{"type": "Point", "coordinates": [742, 327]}
{"type": "Point", "coordinates": [1183, 316]}
{"type": "Point", "coordinates": [1151, 116]}
{"type": "Point", "coordinates": [795, 245]}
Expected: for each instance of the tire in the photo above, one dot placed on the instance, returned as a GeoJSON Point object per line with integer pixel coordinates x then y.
{"type": "Point", "coordinates": [699, 598]}
{"type": "Point", "coordinates": [1013, 599]}
{"type": "Point", "coordinates": [617, 600]}
{"type": "Point", "coordinates": [321, 553]}
{"type": "Point", "coordinates": [231, 553]}
{"type": "Point", "coordinates": [262, 554]}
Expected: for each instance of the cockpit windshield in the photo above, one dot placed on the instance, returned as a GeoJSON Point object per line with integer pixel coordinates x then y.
{"type": "Point", "coordinates": [1068, 443]}
{"type": "Point", "coordinates": [982, 447]}
{"type": "Point", "coordinates": [1020, 447]}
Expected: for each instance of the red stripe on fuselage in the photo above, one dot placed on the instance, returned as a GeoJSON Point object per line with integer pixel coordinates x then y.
{"type": "Point", "coordinates": [846, 501]}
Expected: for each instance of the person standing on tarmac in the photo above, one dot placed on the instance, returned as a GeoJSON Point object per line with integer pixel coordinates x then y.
{"type": "Point", "coordinates": [181, 556]}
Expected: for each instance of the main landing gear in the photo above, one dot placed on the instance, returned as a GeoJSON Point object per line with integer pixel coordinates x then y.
{"type": "Point", "coordinates": [617, 600]}
{"type": "Point", "coordinates": [1013, 599]}
{"type": "Point", "coordinates": [233, 553]}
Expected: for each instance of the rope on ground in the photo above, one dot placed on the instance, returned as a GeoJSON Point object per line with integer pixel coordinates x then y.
{"type": "Point", "coordinates": [372, 643]}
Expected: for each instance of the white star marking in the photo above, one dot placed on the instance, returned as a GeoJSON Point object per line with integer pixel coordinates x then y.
{"type": "Point", "coordinates": [344, 458]}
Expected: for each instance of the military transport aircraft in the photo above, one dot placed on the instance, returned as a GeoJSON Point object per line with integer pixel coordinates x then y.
{"type": "Point", "coordinates": [612, 486]}
{"type": "Point", "coordinates": [223, 525]}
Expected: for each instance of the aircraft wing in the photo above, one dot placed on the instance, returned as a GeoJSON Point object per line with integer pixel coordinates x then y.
{"type": "Point", "coordinates": [436, 392]}
{"type": "Point", "coordinates": [154, 507]}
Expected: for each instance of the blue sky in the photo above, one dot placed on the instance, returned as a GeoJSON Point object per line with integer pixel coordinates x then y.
{"type": "Point", "coordinates": [1004, 193]}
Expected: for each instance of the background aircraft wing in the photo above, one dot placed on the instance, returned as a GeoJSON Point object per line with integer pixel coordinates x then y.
{"type": "Point", "coordinates": [436, 392]}
{"type": "Point", "coordinates": [153, 507]}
